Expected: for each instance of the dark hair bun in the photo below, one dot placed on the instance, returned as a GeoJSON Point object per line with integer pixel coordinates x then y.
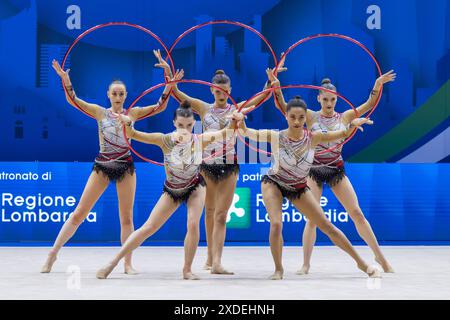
{"type": "Point", "coordinates": [296, 102]}
{"type": "Point", "coordinates": [220, 71]}
{"type": "Point", "coordinates": [326, 81]}
{"type": "Point", "coordinates": [185, 105]}
{"type": "Point", "coordinates": [184, 110]}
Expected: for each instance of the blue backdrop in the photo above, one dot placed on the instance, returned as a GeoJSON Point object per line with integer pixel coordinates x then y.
{"type": "Point", "coordinates": [405, 203]}
{"type": "Point", "coordinates": [399, 166]}
{"type": "Point", "coordinates": [410, 36]}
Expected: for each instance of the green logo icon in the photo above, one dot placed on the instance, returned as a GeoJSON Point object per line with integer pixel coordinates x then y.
{"type": "Point", "coordinates": [239, 213]}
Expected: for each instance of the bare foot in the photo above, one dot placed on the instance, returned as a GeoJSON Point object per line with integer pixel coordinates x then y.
{"type": "Point", "coordinates": [130, 271]}
{"type": "Point", "coordinates": [47, 267]}
{"type": "Point", "coordinates": [385, 265]}
{"type": "Point", "coordinates": [373, 271]}
{"type": "Point", "coordinates": [190, 276]}
{"type": "Point", "coordinates": [303, 270]}
{"type": "Point", "coordinates": [207, 266]}
{"type": "Point", "coordinates": [104, 272]}
{"type": "Point", "coordinates": [220, 270]}
{"type": "Point", "coordinates": [278, 275]}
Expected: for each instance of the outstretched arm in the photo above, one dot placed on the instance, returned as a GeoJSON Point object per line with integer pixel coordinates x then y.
{"type": "Point", "coordinates": [275, 83]}
{"type": "Point", "coordinates": [349, 115]}
{"type": "Point", "coordinates": [278, 93]}
{"type": "Point", "coordinates": [161, 105]}
{"type": "Point", "coordinates": [255, 100]}
{"type": "Point", "coordinates": [196, 104]}
{"type": "Point", "coordinates": [92, 109]}
{"type": "Point", "coordinates": [149, 138]}
{"type": "Point", "coordinates": [256, 135]}
{"type": "Point", "coordinates": [319, 137]}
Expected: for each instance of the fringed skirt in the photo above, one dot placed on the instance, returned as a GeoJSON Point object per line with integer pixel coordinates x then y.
{"type": "Point", "coordinates": [287, 193]}
{"type": "Point", "coordinates": [330, 176]}
{"type": "Point", "coordinates": [114, 170]}
{"type": "Point", "coordinates": [182, 195]}
{"type": "Point", "coordinates": [219, 172]}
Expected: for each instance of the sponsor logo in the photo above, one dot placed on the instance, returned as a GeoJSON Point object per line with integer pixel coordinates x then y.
{"type": "Point", "coordinates": [239, 214]}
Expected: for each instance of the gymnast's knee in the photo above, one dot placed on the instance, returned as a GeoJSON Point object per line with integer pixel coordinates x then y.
{"type": "Point", "coordinates": [148, 229]}
{"type": "Point", "coordinates": [310, 225]}
{"type": "Point", "coordinates": [192, 225]}
{"type": "Point", "coordinates": [357, 215]}
{"type": "Point", "coordinates": [78, 216]}
{"type": "Point", "coordinates": [221, 217]}
{"type": "Point", "coordinates": [328, 228]}
{"type": "Point", "coordinates": [126, 221]}
{"type": "Point", "coordinates": [276, 226]}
